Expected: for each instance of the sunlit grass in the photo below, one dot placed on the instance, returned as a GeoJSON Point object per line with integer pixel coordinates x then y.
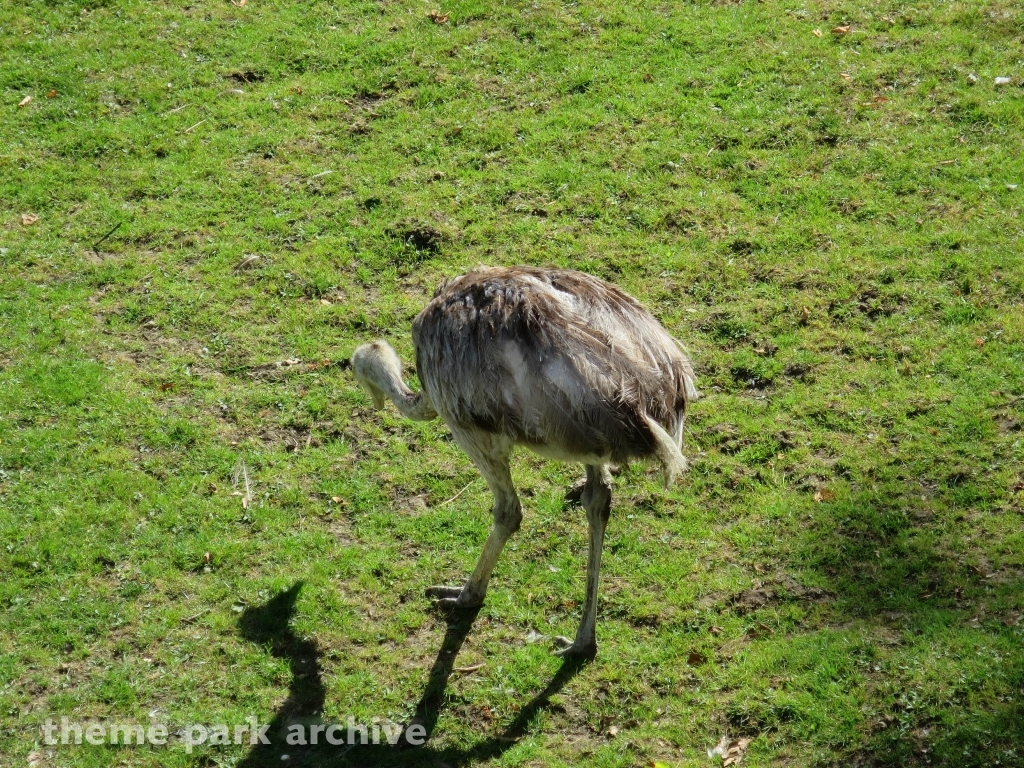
{"type": "Point", "coordinates": [829, 222]}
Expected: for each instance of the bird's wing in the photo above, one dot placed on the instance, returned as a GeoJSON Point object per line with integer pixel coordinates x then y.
{"type": "Point", "coordinates": [552, 357]}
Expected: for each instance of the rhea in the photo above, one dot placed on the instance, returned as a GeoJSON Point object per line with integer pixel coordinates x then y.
{"type": "Point", "coordinates": [558, 361]}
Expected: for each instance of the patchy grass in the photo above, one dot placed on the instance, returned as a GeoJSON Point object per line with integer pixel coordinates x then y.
{"type": "Point", "coordinates": [832, 224]}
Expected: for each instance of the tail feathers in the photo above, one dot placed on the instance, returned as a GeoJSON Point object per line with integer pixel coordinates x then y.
{"type": "Point", "coordinates": [689, 380]}
{"type": "Point", "coordinates": [692, 394]}
{"type": "Point", "coordinates": [665, 448]}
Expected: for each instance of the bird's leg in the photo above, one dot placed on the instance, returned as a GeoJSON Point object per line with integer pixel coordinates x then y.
{"type": "Point", "coordinates": [507, 517]}
{"type": "Point", "coordinates": [472, 594]}
{"type": "Point", "coordinates": [597, 499]}
{"type": "Point", "coordinates": [506, 522]}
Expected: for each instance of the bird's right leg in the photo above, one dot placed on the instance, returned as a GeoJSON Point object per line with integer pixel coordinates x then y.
{"type": "Point", "coordinates": [597, 500]}
{"type": "Point", "coordinates": [491, 459]}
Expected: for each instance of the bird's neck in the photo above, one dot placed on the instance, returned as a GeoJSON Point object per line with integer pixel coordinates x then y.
{"type": "Point", "coordinates": [412, 405]}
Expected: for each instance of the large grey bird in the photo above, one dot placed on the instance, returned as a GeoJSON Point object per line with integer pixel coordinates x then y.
{"type": "Point", "coordinates": [558, 361]}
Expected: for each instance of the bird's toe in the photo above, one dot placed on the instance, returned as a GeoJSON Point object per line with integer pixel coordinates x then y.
{"type": "Point", "coordinates": [457, 604]}
{"type": "Point", "coordinates": [454, 597]}
{"type": "Point", "coordinates": [440, 591]}
{"type": "Point", "coordinates": [567, 648]}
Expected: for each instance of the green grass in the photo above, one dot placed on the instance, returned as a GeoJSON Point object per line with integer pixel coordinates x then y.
{"type": "Point", "coordinates": [829, 222]}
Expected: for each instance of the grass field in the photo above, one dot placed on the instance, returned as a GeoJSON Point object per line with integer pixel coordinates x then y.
{"type": "Point", "coordinates": [831, 221]}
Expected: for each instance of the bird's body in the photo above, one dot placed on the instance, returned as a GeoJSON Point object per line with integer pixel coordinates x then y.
{"type": "Point", "coordinates": [554, 360]}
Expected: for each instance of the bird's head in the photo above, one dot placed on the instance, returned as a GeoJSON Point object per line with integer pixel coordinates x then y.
{"type": "Point", "coordinates": [376, 366]}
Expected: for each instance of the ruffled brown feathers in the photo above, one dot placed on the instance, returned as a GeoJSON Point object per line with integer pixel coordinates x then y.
{"type": "Point", "coordinates": [556, 360]}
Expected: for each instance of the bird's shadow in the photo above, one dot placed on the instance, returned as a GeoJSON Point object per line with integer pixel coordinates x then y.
{"type": "Point", "coordinates": [268, 625]}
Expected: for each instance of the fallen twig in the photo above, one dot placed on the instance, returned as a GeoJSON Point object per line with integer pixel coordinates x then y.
{"type": "Point", "coordinates": [241, 475]}
{"type": "Point", "coordinates": [453, 498]}
{"type": "Point", "coordinates": [245, 263]}
{"type": "Point", "coordinates": [112, 231]}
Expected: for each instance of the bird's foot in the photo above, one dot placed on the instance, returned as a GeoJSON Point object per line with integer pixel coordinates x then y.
{"type": "Point", "coordinates": [454, 597]}
{"type": "Point", "coordinates": [567, 648]}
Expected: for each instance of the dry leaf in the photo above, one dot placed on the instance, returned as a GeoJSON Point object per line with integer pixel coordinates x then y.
{"type": "Point", "coordinates": [720, 748]}
{"type": "Point", "coordinates": [336, 499]}
{"type": "Point", "coordinates": [817, 33]}
{"type": "Point", "coordinates": [716, 631]}
{"type": "Point", "coordinates": [247, 262]}
{"type": "Point", "coordinates": [805, 315]}
{"type": "Point", "coordinates": [207, 557]}
{"type": "Point", "coordinates": [437, 17]}
{"type": "Point", "coordinates": [759, 630]}
{"type": "Point", "coordinates": [240, 475]}
{"type": "Point", "coordinates": [824, 494]}
{"type": "Point", "coordinates": [167, 385]}
{"type": "Point", "coordinates": [844, 30]}
{"type": "Point", "coordinates": [52, 93]}
{"type": "Point", "coordinates": [325, 302]}
{"type": "Point", "coordinates": [846, 76]}
{"type": "Point", "coordinates": [613, 731]}
{"type": "Point", "coordinates": [25, 102]}
{"type": "Point", "coordinates": [28, 219]}
{"type": "Point", "coordinates": [731, 751]}
{"type": "Point", "coordinates": [696, 658]}
{"type": "Point", "coordinates": [239, 3]}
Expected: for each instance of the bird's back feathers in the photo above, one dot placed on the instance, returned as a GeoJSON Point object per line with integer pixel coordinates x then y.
{"type": "Point", "coordinates": [556, 360]}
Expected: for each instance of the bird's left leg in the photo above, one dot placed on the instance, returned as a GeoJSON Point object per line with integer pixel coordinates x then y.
{"type": "Point", "coordinates": [491, 458]}
{"type": "Point", "coordinates": [597, 499]}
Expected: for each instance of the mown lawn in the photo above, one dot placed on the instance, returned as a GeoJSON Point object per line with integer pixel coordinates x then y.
{"type": "Point", "coordinates": [831, 221]}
